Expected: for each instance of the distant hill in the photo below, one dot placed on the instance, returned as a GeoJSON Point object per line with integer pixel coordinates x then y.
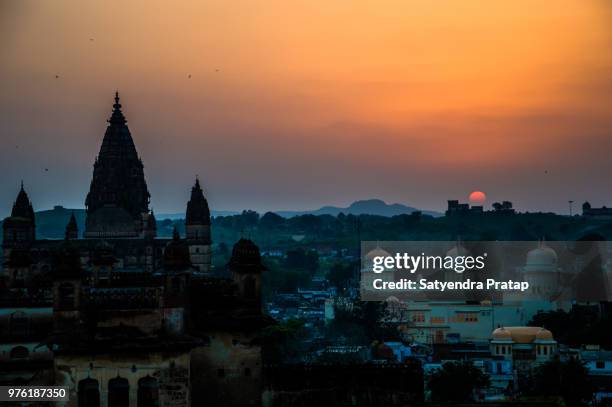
{"type": "Point", "coordinates": [51, 224]}
{"type": "Point", "coordinates": [181, 215]}
{"type": "Point", "coordinates": [364, 207]}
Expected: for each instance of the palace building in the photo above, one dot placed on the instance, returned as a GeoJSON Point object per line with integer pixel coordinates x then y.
{"type": "Point", "coordinates": [120, 316]}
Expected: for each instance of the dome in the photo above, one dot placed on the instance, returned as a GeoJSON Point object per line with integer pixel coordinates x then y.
{"type": "Point", "coordinates": [501, 334]}
{"type": "Point", "coordinates": [378, 252]}
{"type": "Point", "coordinates": [544, 334]}
{"type": "Point", "coordinates": [522, 334]}
{"type": "Point", "coordinates": [392, 300]}
{"type": "Point", "coordinates": [246, 257]}
{"type": "Point", "coordinates": [542, 258]}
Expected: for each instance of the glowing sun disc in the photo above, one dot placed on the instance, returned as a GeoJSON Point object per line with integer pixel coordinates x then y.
{"type": "Point", "coordinates": [478, 197]}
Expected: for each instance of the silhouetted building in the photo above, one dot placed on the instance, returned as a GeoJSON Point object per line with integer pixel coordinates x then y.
{"type": "Point", "coordinates": [603, 213]}
{"type": "Point", "coordinates": [122, 317]}
{"type": "Point", "coordinates": [455, 208]}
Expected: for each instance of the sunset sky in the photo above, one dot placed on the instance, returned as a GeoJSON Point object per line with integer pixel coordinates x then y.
{"type": "Point", "coordinates": [303, 103]}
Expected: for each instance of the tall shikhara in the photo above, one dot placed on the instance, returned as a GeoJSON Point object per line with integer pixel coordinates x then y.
{"type": "Point", "coordinates": [118, 199]}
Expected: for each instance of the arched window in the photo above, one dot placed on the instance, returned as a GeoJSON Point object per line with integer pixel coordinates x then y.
{"type": "Point", "coordinates": [19, 352]}
{"type": "Point", "coordinates": [148, 392]}
{"type": "Point", "coordinates": [19, 323]}
{"type": "Point", "coordinates": [118, 392]}
{"type": "Point", "coordinates": [66, 296]}
{"type": "Point", "coordinates": [89, 393]}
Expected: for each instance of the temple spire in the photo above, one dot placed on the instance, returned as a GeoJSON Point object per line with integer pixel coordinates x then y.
{"type": "Point", "coordinates": [117, 117]}
{"type": "Point", "coordinates": [198, 212]}
{"type": "Point", "coordinates": [118, 189]}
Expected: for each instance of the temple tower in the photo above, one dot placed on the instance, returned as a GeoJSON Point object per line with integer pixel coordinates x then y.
{"type": "Point", "coordinates": [72, 229]}
{"type": "Point", "coordinates": [19, 229]}
{"type": "Point", "coordinates": [118, 199]}
{"type": "Point", "coordinates": [246, 267]}
{"type": "Point", "coordinates": [197, 228]}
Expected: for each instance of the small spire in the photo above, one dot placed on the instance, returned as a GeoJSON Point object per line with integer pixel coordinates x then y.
{"type": "Point", "coordinates": [117, 116]}
{"type": "Point", "coordinates": [22, 185]}
{"type": "Point", "coordinates": [117, 105]}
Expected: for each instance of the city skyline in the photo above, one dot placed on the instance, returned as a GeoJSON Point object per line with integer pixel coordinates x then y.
{"type": "Point", "coordinates": [275, 110]}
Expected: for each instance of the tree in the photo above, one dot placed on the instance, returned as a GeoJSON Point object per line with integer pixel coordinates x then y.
{"type": "Point", "coordinates": [567, 379]}
{"type": "Point", "coordinates": [340, 275]}
{"type": "Point", "coordinates": [282, 342]}
{"type": "Point", "coordinates": [581, 325]}
{"type": "Point", "coordinates": [271, 220]}
{"type": "Point", "coordinates": [300, 259]}
{"type": "Point", "coordinates": [456, 382]}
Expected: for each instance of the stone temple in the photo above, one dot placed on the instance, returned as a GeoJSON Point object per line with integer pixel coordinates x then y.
{"type": "Point", "coordinates": [120, 316]}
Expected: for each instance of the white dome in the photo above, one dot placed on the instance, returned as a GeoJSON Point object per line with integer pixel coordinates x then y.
{"type": "Point", "coordinates": [543, 258]}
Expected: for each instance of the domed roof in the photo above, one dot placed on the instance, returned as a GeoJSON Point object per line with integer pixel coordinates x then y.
{"type": "Point", "coordinates": [377, 252]}
{"type": "Point", "coordinates": [542, 258]}
{"type": "Point", "coordinates": [522, 334]}
{"type": "Point", "coordinates": [246, 257]}
{"type": "Point", "coordinates": [544, 334]}
{"type": "Point", "coordinates": [501, 333]}
{"type": "Point", "coordinates": [392, 300]}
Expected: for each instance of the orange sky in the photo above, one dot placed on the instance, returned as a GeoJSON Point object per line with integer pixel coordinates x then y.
{"type": "Point", "coordinates": [309, 102]}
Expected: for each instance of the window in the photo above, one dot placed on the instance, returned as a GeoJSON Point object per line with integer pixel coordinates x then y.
{"type": "Point", "coordinates": [437, 320]}
{"type": "Point", "coordinates": [418, 317]}
{"type": "Point", "coordinates": [118, 392]}
{"type": "Point", "coordinates": [89, 393]}
{"type": "Point", "coordinates": [148, 392]}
